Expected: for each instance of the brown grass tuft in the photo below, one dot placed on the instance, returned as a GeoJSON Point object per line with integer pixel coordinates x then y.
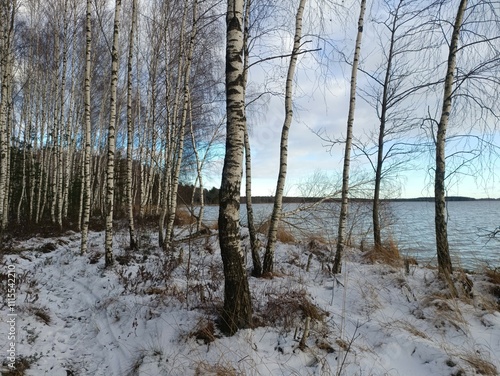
{"type": "Point", "coordinates": [183, 217]}
{"type": "Point", "coordinates": [283, 235]}
{"type": "Point", "coordinates": [204, 331]}
{"type": "Point", "coordinates": [20, 367]}
{"type": "Point", "coordinates": [218, 369]}
{"type": "Point", "coordinates": [493, 275]}
{"type": "Point", "coordinates": [481, 365]}
{"type": "Point", "coordinates": [42, 314]}
{"type": "Point", "coordinates": [387, 254]}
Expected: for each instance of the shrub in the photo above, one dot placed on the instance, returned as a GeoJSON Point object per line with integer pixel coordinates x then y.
{"type": "Point", "coordinates": [289, 308]}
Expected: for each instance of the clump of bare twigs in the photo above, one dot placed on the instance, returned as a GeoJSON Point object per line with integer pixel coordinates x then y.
{"type": "Point", "coordinates": [288, 308]}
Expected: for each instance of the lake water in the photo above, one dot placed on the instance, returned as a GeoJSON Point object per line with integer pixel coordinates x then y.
{"type": "Point", "coordinates": [410, 224]}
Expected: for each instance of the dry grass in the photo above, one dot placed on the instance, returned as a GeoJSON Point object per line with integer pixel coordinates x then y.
{"type": "Point", "coordinates": [218, 369]}
{"type": "Point", "coordinates": [447, 311]}
{"type": "Point", "coordinates": [410, 328]}
{"type": "Point", "coordinates": [20, 367]}
{"type": "Point", "coordinates": [282, 235]}
{"type": "Point", "coordinates": [388, 254]}
{"type": "Point", "coordinates": [204, 331]}
{"type": "Point", "coordinates": [183, 218]}
{"type": "Point", "coordinates": [40, 313]}
{"type": "Point", "coordinates": [480, 365]}
{"type": "Point", "coordinates": [493, 275]}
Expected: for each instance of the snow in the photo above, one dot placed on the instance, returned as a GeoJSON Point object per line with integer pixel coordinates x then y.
{"type": "Point", "coordinates": [155, 314]}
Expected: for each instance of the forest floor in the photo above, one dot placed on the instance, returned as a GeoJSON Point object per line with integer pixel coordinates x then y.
{"type": "Point", "coordinates": [156, 314]}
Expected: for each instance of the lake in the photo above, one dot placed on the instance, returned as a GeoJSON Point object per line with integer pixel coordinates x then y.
{"type": "Point", "coordinates": [409, 223]}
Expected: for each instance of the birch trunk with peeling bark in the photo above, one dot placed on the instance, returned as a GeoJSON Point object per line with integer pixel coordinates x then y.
{"type": "Point", "coordinates": [7, 16]}
{"type": "Point", "coordinates": [254, 241]}
{"type": "Point", "coordinates": [237, 312]}
{"type": "Point", "coordinates": [86, 188]}
{"type": "Point", "coordinates": [130, 130]}
{"type": "Point", "coordinates": [60, 154]}
{"type": "Point", "coordinates": [110, 174]}
{"type": "Point", "coordinates": [178, 155]}
{"type": "Point", "coordinates": [442, 246]}
{"type": "Point", "coordinates": [268, 266]}
{"type": "Point", "coordinates": [337, 265]}
{"type": "Point", "coordinates": [386, 92]}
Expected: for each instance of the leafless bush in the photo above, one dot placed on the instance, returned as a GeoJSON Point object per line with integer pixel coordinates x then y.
{"type": "Point", "coordinates": [288, 308]}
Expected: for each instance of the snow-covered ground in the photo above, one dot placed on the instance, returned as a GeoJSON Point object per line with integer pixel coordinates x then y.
{"type": "Point", "coordinates": [153, 314]}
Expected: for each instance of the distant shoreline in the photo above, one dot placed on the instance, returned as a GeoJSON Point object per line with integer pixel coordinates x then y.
{"type": "Point", "coordinates": [299, 200]}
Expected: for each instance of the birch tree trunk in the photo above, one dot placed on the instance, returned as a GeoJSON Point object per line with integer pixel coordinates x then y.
{"type": "Point", "coordinates": [110, 175]}
{"type": "Point", "coordinates": [254, 241]}
{"type": "Point", "coordinates": [337, 265]}
{"type": "Point", "coordinates": [237, 312]}
{"type": "Point", "coordinates": [443, 251]}
{"type": "Point", "coordinates": [173, 187]}
{"type": "Point", "coordinates": [377, 237]}
{"type": "Point", "coordinates": [268, 267]}
{"type": "Point", "coordinates": [60, 154]}
{"type": "Point", "coordinates": [199, 176]}
{"type": "Point", "coordinates": [86, 188]}
{"type": "Point", "coordinates": [54, 159]}
{"type": "Point", "coordinates": [130, 129]}
{"type": "Point", "coordinates": [7, 10]}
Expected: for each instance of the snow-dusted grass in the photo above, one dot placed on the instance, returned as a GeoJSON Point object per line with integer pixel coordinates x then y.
{"type": "Point", "coordinates": [156, 314]}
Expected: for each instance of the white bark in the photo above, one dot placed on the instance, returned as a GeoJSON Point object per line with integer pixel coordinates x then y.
{"type": "Point", "coordinates": [181, 132]}
{"type": "Point", "coordinates": [110, 174]}
{"type": "Point", "coordinates": [237, 312]}
{"type": "Point", "coordinates": [7, 12]}
{"type": "Point", "coordinates": [348, 145]}
{"type": "Point", "coordinates": [268, 266]}
{"type": "Point", "coordinates": [86, 188]}
{"type": "Point", "coordinates": [443, 252]}
{"type": "Point", "coordinates": [130, 129]}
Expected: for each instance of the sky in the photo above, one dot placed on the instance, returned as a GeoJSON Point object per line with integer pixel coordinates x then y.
{"type": "Point", "coordinates": [321, 98]}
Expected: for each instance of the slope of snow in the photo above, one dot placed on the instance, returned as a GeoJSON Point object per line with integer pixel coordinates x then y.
{"type": "Point", "coordinates": [155, 314]}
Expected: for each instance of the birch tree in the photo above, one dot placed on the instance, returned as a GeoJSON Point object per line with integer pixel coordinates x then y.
{"type": "Point", "coordinates": [443, 251]}
{"type": "Point", "coordinates": [237, 312]}
{"type": "Point", "coordinates": [130, 128]}
{"type": "Point", "coordinates": [110, 172]}
{"type": "Point", "coordinates": [268, 266]}
{"type": "Point", "coordinates": [179, 147]}
{"type": "Point", "coordinates": [7, 16]}
{"type": "Point", "coordinates": [86, 188]}
{"type": "Point", "coordinates": [254, 241]}
{"type": "Point", "coordinates": [337, 265]}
